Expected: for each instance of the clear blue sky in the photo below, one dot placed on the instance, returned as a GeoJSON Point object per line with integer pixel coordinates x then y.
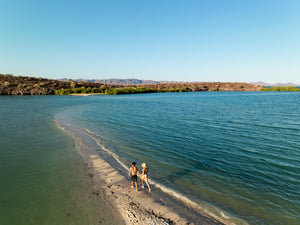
{"type": "Point", "coordinates": [178, 40]}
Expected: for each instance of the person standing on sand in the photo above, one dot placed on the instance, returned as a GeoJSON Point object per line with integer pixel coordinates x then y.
{"type": "Point", "coordinates": [133, 171]}
{"type": "Point", "coordinates": [144, 176]}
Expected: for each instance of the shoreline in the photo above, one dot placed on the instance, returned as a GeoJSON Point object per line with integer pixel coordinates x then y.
{"type": "Point", "coordinates": [139, 207]}
{"type": "Point", "coordinates": [89, 94]}
{"type": "Point", "coordinates": [110, 178]}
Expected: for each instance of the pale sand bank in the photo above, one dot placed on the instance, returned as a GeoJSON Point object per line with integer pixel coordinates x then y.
{"type": "Point", "coordinates": [86, 94]}
{"type": "Point", "coordinates": [135, 207]}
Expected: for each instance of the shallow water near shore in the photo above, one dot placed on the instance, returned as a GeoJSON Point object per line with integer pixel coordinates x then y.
{"type": "Point", "coordinates": [44, 180]}
{"type": "Point", "coordinates": [234, 154]}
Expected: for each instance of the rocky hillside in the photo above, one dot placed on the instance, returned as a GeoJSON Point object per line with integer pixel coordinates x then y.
{"type": "Point", "coordinates": [20, 85]}
{"type": "Point", "coordinates": [206, 86]}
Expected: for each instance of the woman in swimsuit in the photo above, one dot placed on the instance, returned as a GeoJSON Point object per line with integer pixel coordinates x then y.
{"type": "Point", "coordinates": [144, 176]}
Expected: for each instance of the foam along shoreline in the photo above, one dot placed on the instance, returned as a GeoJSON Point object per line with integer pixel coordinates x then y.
{"type": "Point", "coordinates": [135, 207]}
{"type": "Point", "coordinates": [141, 207]}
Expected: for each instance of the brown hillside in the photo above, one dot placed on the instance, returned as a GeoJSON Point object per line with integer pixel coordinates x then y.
{"type": "Point", "coordinates": [206, 86]}
{"type": "Point", "coordinates": [21, 85]}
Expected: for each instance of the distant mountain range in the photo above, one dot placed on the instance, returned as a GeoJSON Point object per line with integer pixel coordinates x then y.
{"type": "Point", "coordinates": [135, 81]}
{"type": "Point", "coordinates": [276, 85]}
{"type": "Point", "coordinates": [120, 81]}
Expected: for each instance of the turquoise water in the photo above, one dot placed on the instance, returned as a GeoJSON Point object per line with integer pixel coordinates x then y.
{"type": "Point", "coordinates": [234, 154]}
{"type": "Point", "coordinates": [44, 180]}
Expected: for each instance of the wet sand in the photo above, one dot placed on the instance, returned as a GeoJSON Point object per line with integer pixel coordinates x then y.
{"type": "Point", "coordinates": [137, 207]}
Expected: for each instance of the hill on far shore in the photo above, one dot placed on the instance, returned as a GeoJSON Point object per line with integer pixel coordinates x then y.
{"type": "Point", "coordinates": [21, 85]}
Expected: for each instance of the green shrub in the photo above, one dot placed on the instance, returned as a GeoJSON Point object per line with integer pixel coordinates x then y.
{"type": "Point", "coordinates": [280, 89]}
{"type": "Point", "coordinates": [6, 84]}
{"type": "Point", "coordinates": [63, 92]}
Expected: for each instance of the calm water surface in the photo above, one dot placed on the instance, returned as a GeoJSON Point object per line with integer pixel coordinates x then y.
{"type": "Point", "coordinates": [235, 154]}
{"type": "Point", "coordinates": [43, 179]}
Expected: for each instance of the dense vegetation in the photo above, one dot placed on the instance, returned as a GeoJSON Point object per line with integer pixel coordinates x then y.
{"type": "Point", "coordinates": [20, 85]}
{"type": "Point", "coordinates": [280, 89]}
{"type": "Point", "coordinates": [116, 90]}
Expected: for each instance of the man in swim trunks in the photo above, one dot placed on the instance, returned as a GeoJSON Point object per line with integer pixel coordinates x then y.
{"type": "Point", "coordinates": [133, 171]}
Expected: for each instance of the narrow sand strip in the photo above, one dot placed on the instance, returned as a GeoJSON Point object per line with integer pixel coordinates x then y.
{"type": "Point", "coordinates": [135, 207]}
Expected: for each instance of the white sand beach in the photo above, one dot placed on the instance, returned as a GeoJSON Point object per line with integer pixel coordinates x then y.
{"type": "Point", "coordinates": [135, 207]}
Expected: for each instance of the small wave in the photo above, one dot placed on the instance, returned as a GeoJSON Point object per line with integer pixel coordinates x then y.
{"type": "Point", "coordinates": [202, 207]}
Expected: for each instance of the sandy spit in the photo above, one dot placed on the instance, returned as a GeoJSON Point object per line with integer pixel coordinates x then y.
{"type": "Point", "coordinates": [135, 207]}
